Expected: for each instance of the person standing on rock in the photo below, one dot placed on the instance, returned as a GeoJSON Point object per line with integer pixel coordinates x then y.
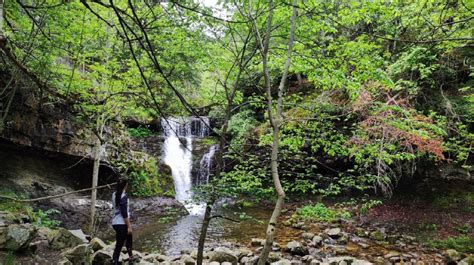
{"type": "Point", "coordinates": [121, 221]}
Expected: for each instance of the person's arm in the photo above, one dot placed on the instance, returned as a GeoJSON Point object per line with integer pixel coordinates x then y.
{"type": "Point", "coordinates": [124, 212]}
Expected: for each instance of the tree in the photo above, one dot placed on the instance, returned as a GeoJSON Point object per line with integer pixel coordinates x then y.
{"type": "Point", "coordinates": [275, 118]}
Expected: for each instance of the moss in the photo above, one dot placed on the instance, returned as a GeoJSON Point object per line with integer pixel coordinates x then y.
{"type": "Point", "coordinates": [147, 176]}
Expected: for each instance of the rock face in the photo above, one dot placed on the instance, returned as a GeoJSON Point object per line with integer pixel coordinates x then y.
{"type": "Point", "coordinates": [16, 236]}
{"type": "Point", "coordinates": [48, 127]}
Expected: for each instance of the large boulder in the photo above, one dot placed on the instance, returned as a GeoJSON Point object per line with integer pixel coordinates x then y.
{"type": "Point", "coordinates": [81, 254]}
{"type": "Point", "coordinates": [16, 236]}
{"type": "Point", "coordinates": [223, 254]}
{"type": "Point", "coordinates": [296, 248]}
{"type": "Point", "coordinates": [65, 239]}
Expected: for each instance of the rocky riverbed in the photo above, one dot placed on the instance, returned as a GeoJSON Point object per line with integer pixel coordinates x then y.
{"type": "Point", "coordinates": [343, 242]}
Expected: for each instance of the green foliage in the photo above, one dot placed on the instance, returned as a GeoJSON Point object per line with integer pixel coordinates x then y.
{"type": "Point", "coordinates": [320, 212]}
{"type": "Point", "coordinates": [140, 132]}
{"type": "Point", "coordinates": [239, 128]}
{"type": "Point", "coordinates": [367, 205]}
{"type": "Point", "coordinates": [463, 243]}
{"type": "Point", "coordinates": [43, 218]}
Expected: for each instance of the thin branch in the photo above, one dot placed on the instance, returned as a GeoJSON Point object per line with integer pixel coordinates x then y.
{"type": "Point", "coordinates": [55, 196]}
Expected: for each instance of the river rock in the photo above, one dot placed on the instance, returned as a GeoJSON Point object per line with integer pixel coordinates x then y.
{"type": "Point", "coordinates": [307, 236]}
{"type": "Point", "coordinates": [282, 262]}
{"type": "Point", "coordinates": [97, 244]}
{"type": "Point", "coordinates": [156, 258]}
{"type": "Point", "coordinates": [242, 252]}
{"type": "Point", "coordinates": [223, 254]}
{"type": "Point", "coordinates": [64, 238]}
{"type": "Point", "coordinates": [187, 260]}
{"type": "Point", "coordinates": [317, 240]}
{"type": "Point", "coordinates": [451, 255]}
{"type": "Point", "coordinates": [346, 260]}
{"type": "Point", "coordinates": [296, 248]}
{"type": "Point", "coordinates": [257, 242]}
{"type": "Point", "coordinates": [214, 263]}
{"type": "Point", "coordinates": [334, 232]}
{"type": "Point", "coordinates": [273, 257]}
{"type": "Point", "coordinates": [17, 236]}
{"type": "Point", "coordinates": [81, 254]}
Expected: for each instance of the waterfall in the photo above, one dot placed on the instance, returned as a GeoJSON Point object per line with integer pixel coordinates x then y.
{"type": "Point", "coordinates": [177, 153]}
{"type": "Point", "coordinates": [205, 166]}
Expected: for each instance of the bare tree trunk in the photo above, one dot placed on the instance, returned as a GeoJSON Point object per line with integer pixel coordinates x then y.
{"type": "Point", "coordinates": [95, 180]}
{"type": "Point", "coordinates": [203, 234]}
{"type": "Point", "coordinates": [275, 121]}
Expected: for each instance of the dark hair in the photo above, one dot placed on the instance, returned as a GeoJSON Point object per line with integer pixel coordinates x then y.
{"type": "Point", "coordinates": [121, 183]}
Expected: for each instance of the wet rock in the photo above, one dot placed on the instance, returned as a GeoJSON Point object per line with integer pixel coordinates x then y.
{"type": "Point", "coordinates": [334, 232]}
{"type": "Point", "coordinates": [64, 238]}
{"type": "Point", "coordinates": [257, 242]}
{"type": "Point", "coordinates": [282, 262]}
{"type": "Point", "coordinates": [452, 255]}
{"type": "Point", "coordinates": [307, 236]}
{"type": "Point", "coordinates": [79, 254]}
{"type": "Point", "coordinates": [17, 236]}
{"type": "Point", "coordinates": [317, 240]}
{"type": "Point", "coordinates": [296, 248]}
{"type": "Point", "coordinates": [97, 244]}
{"type": "Point", "coordinates": [222, 254]}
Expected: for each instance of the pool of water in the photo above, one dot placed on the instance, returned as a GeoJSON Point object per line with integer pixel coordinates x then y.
{"type": "Point", "coordinates": [170, 236]}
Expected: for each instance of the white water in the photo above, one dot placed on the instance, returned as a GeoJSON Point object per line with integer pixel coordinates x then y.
{"type": "Point", "coordinates": [177, 153]}
{"type": "Point", "coordinates": [205, 166]}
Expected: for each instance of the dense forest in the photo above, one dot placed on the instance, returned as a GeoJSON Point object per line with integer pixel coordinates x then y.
{"type": "Point", "coordinates": [359, 102]}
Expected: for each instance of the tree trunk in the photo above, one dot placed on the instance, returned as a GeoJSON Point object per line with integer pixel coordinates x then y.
{"type": "Point", "coordinates": [275, 121]}
{"type": "Point", "coordinates": [95, 180]}
{"type": "Point", "coordinates": [202, 236]}
{"type": "Point", "coordinates": [1, 20]}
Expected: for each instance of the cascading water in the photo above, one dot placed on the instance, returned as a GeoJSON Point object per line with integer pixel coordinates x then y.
{"type": "Point", "coordinates": [205, 166]}
{"type": "Point", "coordinates": [177, 153]}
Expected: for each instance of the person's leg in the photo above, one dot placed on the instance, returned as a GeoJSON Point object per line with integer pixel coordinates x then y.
{"type": "Point", "coordinates": [128, 244]}
{"type": "Point", "coordinates": [120, 237]}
